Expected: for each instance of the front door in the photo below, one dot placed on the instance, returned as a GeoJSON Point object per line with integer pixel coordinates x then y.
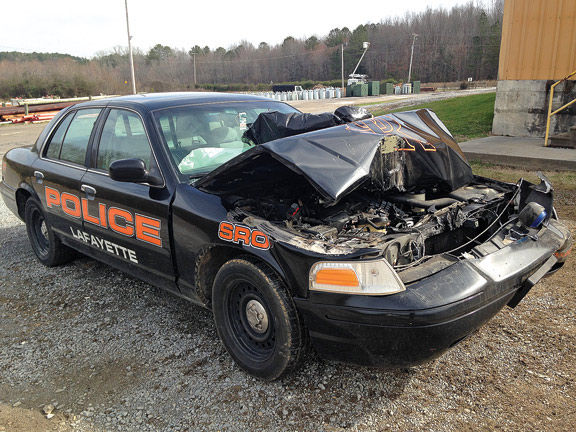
{"type": "Point", "coordinates": [127, 222]}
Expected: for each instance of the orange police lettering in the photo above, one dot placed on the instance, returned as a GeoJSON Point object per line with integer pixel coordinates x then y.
{"type": "Point", "coordinates": [243, 235]}
{"type": "Point", "coordinates": [75, 211]}
{"type": "Point", "coordinates": [260, 240]}
{"type": "Point", "coordinates": [86, 213]}
{"type": "Point", "coordinates": [102, 213]}
{"type": "Point", "coordinates": [226, 231]}
{"type": "Point", "coordinates": [148, 230]}
{"type": "Point", "coordinates": [144, 228]}
{"type": "Point", "coordinates": [125, 229]}
{"type": "Point", "coordinates": [52, 197]}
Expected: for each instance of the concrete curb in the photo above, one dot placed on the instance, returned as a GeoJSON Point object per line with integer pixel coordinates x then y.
{"type": "Point", "coordinates": [519, 152]}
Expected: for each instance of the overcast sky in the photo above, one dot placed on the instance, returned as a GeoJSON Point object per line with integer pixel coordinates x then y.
{"type": "Point", "coordinates": [83, 28]}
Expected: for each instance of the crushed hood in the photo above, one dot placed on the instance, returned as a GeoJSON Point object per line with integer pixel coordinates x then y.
{"type": "Point", "coordinates": [401, 151]}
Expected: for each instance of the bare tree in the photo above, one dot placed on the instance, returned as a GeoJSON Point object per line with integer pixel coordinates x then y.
{"type": "Point", "coordinates": [452, 45]}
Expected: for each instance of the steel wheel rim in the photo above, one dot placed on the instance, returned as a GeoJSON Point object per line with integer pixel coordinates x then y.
{"type": "Point", "coordinates": [40, 233]}
{"type": "Point", "coordinates": [257, 344]}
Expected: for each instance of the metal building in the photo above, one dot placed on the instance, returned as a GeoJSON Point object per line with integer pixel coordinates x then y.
{"type": "Point", "coordinates": [538, 48]}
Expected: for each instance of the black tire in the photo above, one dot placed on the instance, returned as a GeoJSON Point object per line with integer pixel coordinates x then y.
{"type": "Point", "coordinates": [242, 289]}
{"type": "Point", "coordinates": [47, 247]}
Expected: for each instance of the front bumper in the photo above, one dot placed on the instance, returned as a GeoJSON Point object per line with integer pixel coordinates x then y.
{"type": "Point", "coordinates": [434, 313]}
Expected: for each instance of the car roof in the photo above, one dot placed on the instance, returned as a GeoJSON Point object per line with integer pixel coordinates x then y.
{"type": "Point", "coordinates": [154, 101]}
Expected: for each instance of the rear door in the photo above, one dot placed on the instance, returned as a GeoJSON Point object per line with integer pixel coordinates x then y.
{"type": "Point", "coordinates": [128, 222]}
{"type": "Point", "coordinates": [61, 166]}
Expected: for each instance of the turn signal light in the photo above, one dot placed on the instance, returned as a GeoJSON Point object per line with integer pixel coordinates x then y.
{"type": "Point", "coordinates": [362, 277]}
{"type": "Point", "coordinates": [340, 277]}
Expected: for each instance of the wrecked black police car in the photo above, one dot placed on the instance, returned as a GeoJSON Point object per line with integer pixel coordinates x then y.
{"type": "Point", "coordinates": [369, 237]}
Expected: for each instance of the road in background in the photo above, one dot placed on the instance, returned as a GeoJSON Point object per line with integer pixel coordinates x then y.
{"type": "Point", "coordinates": [377, 102]}
{"type": "Point", "coordinates": [25, 134]}
{"type": "Point", "coordinates": [17, 135]}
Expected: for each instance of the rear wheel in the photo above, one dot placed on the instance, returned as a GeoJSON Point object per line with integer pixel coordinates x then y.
{"type": "Point", "coordinates": [256, 319]}
{"type": "Point", "coordinates": [47, 247]}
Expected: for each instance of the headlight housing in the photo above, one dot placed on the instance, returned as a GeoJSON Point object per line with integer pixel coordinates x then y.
{"type": "Point", "coordinates": [375, 277]}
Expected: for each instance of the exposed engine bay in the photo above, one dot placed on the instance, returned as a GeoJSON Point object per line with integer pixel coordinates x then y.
{"type": "Point", "coordinates": [396, 186]}
{"type": "Point", "coordinates": [404, 228]}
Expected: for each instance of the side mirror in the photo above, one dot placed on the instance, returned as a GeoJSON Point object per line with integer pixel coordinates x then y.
{"type": "Point", "coordinates": [132, 171]}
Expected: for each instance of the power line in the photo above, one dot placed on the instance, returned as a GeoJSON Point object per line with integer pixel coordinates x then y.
{"type": "Point", "coordinates": [130, 50]}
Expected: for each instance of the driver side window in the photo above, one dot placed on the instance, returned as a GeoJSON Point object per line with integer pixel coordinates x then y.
{"type": "Point", "coordinates": [123, 137]}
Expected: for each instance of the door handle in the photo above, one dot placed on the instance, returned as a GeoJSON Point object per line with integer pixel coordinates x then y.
{"type": "Point", "coordinates": [39, 177]}
{"type": "Point", "coordinates": [89, 191]}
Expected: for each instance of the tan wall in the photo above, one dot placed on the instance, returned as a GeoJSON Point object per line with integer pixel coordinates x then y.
{"type": "Point", "coordinates": [538, 40]}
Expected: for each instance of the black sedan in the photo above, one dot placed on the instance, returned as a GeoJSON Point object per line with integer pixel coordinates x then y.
{"type": "Point", "coordinates": [370, 237]}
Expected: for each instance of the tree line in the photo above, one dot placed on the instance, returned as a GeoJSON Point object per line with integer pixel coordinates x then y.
{"type": "Point", "coordinates": [449, 45]}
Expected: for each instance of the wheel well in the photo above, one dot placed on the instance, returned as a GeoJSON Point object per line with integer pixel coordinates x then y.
{"type": "Point", "coordinates": [209, 262]}
{"type": "Point", "coordinates": [22, 196]}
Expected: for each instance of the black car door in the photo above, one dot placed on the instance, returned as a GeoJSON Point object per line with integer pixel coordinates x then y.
{"type": "Point", "coordinates": [128, 222]}
{"type": "Point", "coordinates": [59, 169]}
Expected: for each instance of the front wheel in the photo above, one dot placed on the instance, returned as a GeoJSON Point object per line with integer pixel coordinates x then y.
{"type": "Point", "coordinates": [256, 319]}
{"type": "Point", "coordinates": [47, 247]}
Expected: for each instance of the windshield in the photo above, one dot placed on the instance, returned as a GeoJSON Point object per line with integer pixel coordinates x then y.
{"type": "Point", "coordinates": [200, 138]}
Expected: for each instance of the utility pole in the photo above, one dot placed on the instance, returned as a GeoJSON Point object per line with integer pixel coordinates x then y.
{"type": "Point", "coordinates": [130, 50]}
{"type": "Point", "coordinates": [414, 36]}
{"type": "Point", "coordinates": [342, 68]}
{"type": "Point", "coordinates": [194, 56]}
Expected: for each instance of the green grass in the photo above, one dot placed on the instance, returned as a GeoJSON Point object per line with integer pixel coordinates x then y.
{"type": "Point", "coordinates": [564, 183]}
{"type": "Point", "coordinates": [561, 180]}
{"type": "Point", "coordinates": [466, 117]}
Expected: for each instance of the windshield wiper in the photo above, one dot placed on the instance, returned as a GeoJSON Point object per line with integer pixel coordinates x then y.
{"type": "Point", "coordinates": [195, 177]}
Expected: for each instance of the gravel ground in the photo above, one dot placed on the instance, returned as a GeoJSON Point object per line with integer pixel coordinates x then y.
{"type": "Point", "coordinates": [110, 353]}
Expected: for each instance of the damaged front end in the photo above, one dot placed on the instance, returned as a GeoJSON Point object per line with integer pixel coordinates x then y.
{"type": "Point", "coordinates": [396, 186]}
{"type": "Point", "coordinates": [396, 250]}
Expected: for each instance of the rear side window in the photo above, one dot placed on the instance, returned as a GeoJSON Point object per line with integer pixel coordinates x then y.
{"type": "Point", "coordinates": [70, 140]}
{"type": "Point", "coordinates": [77, 136]}
{"type": "Point", "coordinates": [123, 137]}
{"type": "Point", "coordinates": [55, 144]}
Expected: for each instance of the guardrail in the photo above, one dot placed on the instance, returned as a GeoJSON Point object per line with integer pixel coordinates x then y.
{"type": "Point", "coordinates": [550, 112]}
{"type": "Point", "coordinates": [48, 100]}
